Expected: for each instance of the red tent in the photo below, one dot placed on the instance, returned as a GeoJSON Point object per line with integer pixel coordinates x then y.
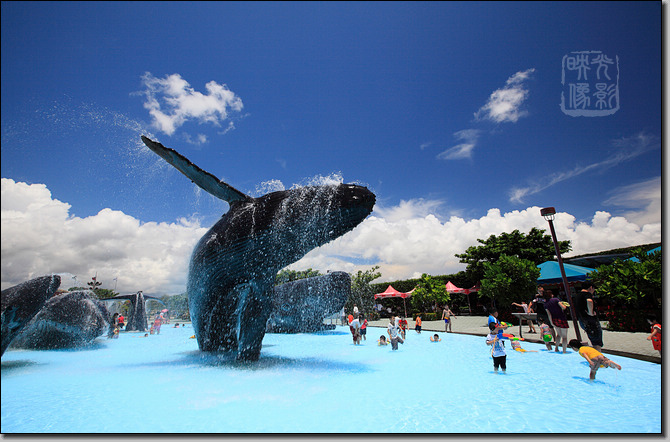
{"type": "Point", "coordinates": [451, 288]}
{"type": "Point", "coordinates": [390, 292]}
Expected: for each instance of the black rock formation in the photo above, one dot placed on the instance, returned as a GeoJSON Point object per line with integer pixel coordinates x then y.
{"type": "Point", "coordinates": [301, 306]}
{"type": "Point", "coordinates": [68, 320]}
{"type": "Point", "coordinates": [22, 302]}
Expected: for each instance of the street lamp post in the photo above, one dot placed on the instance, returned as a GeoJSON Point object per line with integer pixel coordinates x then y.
{"type": "Point", "coordinates": [549, 213]}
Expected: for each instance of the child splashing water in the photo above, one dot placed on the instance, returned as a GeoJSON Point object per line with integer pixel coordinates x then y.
{"type": "Point", "coordinates": [593, 357]}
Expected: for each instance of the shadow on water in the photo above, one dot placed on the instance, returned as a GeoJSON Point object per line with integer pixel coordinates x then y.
{"type": "Point", "coordinates": [95, 345]}
{"type": "Point", "coordinates": [329, 333]}
{"type": "Point", "coordinates": [227, 360]}
{"type": "Point", "coordinates": [11, 367]}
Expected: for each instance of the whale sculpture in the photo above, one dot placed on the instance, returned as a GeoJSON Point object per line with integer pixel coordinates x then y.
{"type": "Point", "coordinates": [22, 302]}
{"type": "Point", "coordinates": [137, 315]}
{"type": "Point", "coordinates": [233, 266]}
{"type": "Point", "coordinates": [68, 320]}
{"type": "Point", "coordinates": [301, 306]}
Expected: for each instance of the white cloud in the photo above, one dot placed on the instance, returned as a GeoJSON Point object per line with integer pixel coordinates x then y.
{"type": "Point", "coordinates": [627, 149]}
{"type": "Point", "coordinates": [172, 101]}
{"type": "Point", "coordinates": [504, 104]}
{"type": "Point", "coordinates": [41, 237]}
{"type": "Point", "coordinates": [197, 141]}
{"type": "Point", "coordinates": [643, 197]}
{"type": "Point", "coordinates": [409, 239]}
{"type": "Point", "coordinates": [463, 150]}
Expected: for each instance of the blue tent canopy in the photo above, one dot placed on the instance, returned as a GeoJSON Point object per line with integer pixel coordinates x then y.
{"type": "Point", "coordinates": [550, 272]}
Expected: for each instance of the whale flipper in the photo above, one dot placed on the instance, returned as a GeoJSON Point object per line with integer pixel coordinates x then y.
{"type": "Point", "coordinates": [204, 180]}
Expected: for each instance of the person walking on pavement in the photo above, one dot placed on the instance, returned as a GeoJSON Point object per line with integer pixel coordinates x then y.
{"type": "Point", "coordinates": [587, 315]}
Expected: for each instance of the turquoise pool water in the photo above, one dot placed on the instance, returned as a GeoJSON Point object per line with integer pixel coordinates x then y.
{"type": "Point", "coordinates": [322, 383]}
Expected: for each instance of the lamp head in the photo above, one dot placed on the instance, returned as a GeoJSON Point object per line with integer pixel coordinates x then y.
{"type": "Point", "coordinates": [548, 213]}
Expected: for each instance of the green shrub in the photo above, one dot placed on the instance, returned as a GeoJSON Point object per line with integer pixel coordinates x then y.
{"type": "Point", "coordinates": [427, 316]}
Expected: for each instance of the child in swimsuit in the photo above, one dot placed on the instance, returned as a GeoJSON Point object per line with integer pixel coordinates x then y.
{"type": "Point", "coordinates": [655, 336]}
{"type": "Point", "coordinates": [446, 315]}
{"type": "Point", "coordinates": [516, 345]}
{"type": "Point", "coordinates": [435, 338]}
{"type": "Point", "coordinates": [547, 335]}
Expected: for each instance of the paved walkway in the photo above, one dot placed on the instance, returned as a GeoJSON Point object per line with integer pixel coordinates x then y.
{"type": "Point", "coordinates": [631, 345]}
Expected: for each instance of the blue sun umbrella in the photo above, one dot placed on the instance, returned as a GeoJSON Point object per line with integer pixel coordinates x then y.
{"type": "Point", "coordinates": [634, 259]}
{"type": "Point", "coordinates": [550, 272]}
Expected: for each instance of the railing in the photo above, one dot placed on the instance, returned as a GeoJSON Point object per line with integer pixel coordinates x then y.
{"type": "Point", "coordinates": [335, 318]}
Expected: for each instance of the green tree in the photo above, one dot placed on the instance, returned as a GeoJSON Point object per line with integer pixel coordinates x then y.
{"type": "Point", "coordinates": [176, 304]}
{"type": "Point", "coordinates": [535, 247]}
{"type": "Point", "coordinates": [509, 279]}
{"type": "Point", "coordinates": [286, 275]}
{"type": "Point", "coordinates": [429, 290]}
{"type": "Point", "coordinates": [630, 283]}
{"type": "Point", "coordinates": [362, 292]}
{"type": "Point", "coordinates": [104, 293]}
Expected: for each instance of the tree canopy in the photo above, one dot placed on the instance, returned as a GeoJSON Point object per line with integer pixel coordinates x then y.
{"type": "Point", "coordinates": [509, 279]}
{"type": "Point", "coordinates": [429, 290]}
{"type": "Point", "coordinates": [362, 292]}
{"type": "Point", "coordinates": [631, 283]}
{"type": "Point", "coordinates": [536, 247]}
{"type": "Point", "coordinates": [286, 275]}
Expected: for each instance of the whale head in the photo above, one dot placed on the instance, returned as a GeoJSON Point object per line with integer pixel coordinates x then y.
{"type": "Point", "coordinates": [310, 217]}
{"type": "Point", "coordinates": [275, 230]}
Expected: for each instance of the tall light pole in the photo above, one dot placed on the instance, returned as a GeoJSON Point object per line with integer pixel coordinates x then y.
{"type": "Point", "coordinates": [549, 213]}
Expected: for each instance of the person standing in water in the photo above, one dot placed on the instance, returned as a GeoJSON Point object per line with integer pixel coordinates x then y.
{"type": "Point", "coordinates": [556, 312]}
{"type": "Point", "coordinates": [393, 330]}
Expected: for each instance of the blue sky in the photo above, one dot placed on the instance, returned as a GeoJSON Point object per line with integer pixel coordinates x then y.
{"type": "Point", "coordinates": [450, 112]}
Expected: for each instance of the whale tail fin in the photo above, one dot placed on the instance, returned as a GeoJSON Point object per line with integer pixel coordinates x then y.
{"type": "Point", "coordinates": [204, 180]}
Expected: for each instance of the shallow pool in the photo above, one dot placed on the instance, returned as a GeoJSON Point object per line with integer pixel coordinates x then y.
{"type": "Point", "coordinates": [322, 383]}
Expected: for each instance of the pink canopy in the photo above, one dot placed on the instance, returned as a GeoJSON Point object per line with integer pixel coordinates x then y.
{"type": "Point", "coordinates": [451, 288]}
{"type": "Point", "coordinates": [390, 292]}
